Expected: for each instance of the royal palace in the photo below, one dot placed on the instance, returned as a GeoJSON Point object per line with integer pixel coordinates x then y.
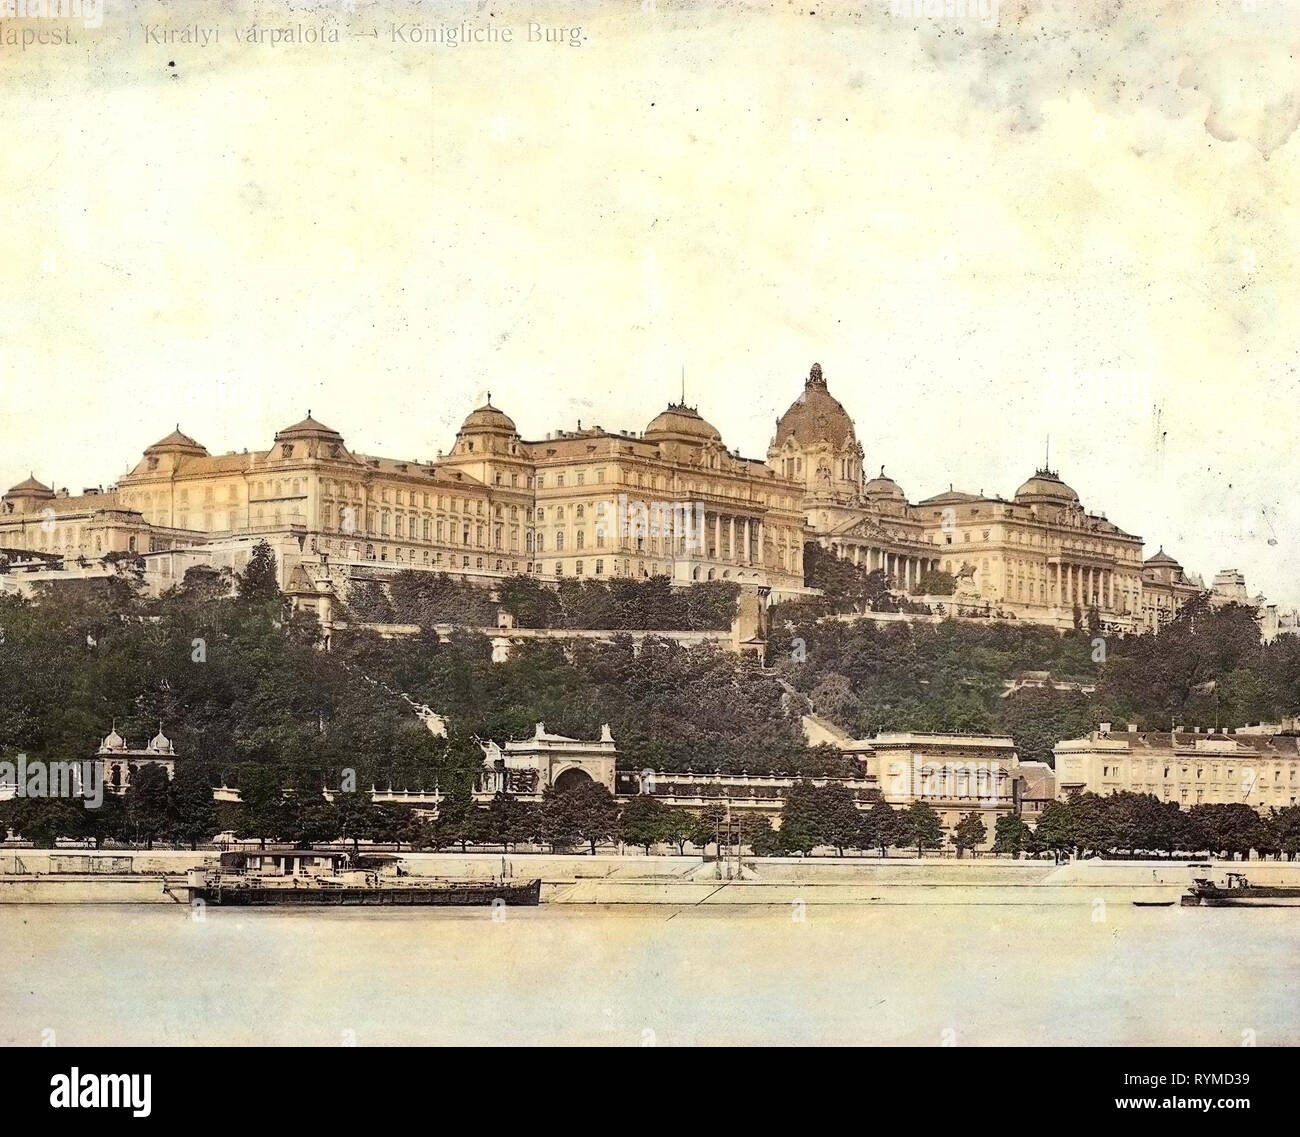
{"type": "Point", "coordinates": [497, 505]}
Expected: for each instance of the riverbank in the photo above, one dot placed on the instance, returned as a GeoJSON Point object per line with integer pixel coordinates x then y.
{"type": "Point", "coordinates": [158, 877]}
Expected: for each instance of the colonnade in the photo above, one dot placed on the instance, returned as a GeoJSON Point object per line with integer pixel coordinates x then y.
{"type": "Point", "coordinates": [904, 569]}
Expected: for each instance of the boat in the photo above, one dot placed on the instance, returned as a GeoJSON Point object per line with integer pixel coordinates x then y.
{"type": "Point", "coordinates": [292, 877]}
{"type": "Point", "coordinates": [1238, 892]}
{"type": "Point", "coordinates": [1153, 904]}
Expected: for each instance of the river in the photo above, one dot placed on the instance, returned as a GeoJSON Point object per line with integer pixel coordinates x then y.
{"type": "Point", "coordinates": [139, 974]}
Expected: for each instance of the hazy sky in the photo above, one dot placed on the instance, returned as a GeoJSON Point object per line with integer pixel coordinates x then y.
{"type": "Point", "coordinates": [1072, 223]}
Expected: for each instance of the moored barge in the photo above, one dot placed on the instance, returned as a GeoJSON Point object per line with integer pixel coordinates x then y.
{"type": "Point", "coordinates": [1240, 893]}
{"type": "Point", "coordinates": [296, 877]}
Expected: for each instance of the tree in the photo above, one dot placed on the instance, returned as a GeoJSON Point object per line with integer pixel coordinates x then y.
{"type": "Point", "coordinates": [355, 816]}
{"type": "Point", "coordinates": [803, 819]}
{"type": "Point", "coordinates": [41, 820]}
{"type": "Point", "coordinates": [920, 827]}
{"type": "Point", "coordinates": [681, 826]}
{"type": "Point", "coordinates": [644, 821]}
{"type": "Point", "coordinates": [192, 812]}
{"type": "Point", "coordinates": [308, 820]}
{"type": "Point", "coordinates": [843, 819]}
{"type": "Point", "coordinates": [259, 581]}
{"type": "Point", "coordinates": [762, 838]}
{"type": "Point", "coordinates": [204, 582]}
{"type": "Point", "coordinates": [561, 823]}
{"type": "Point", "coordinates": [882, 827]}
{"type": "Point", "coordinates": [1010, 834]}
{"type": "Point", "coordinates": [935, 584]}
{"type": "Point", "coordinates": [969, 832]}
{"type": "Point", "coordinates": [262, 794]}
{"type": "Point", "coordinates": [147, 803]}
{"type": "Point", "coordinates": [1056, 828]}
{"type": "Point", "coordinates": [588, 812]}
{"type": "Point", "coordinates": [510, 820]}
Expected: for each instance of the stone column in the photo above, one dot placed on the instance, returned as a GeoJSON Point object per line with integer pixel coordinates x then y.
{"type": "Point", "coordinates": [731, 527]}
{"type": "Point", "coordinates": [746, 547]}
{"type": "Point", "coordinates": [762, 559]}
{"type": "Point", "coordinates": [717, 536]}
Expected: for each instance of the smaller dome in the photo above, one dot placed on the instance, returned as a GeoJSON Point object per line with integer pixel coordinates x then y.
{"type": "Point", "coordinates": [30, 487]}
{"type": "Point", "coordinates": [682, 421]}
{"type": "Point", "coordinates": [308, 428]}
{"type": "Point", "coordinates": [177, 443]}
{"type": "Point", "coordinates": [113, 741]}
{"type": "Point", "coordinates": [161, 743]}
{"type": "Point", "coordinates": [884, 487]}
{"type": "Point", "coordinates": [1047, 486]}
{"type": "Point", "coordinates": [488, 418]}
{"type": "Point", "coordinates": [1162, 558]}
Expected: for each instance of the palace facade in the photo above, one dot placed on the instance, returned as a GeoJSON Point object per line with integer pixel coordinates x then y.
{"type": "Point", "coordinates": [1038, 555]}
{"type": "Point", "coordinates": [671, 500]}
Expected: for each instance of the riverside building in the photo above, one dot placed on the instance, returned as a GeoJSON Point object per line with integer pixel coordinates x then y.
{"type": "Point", "coordinates": [1188, 766]}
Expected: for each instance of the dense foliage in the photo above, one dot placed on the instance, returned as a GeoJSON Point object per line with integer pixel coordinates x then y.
{"type": "Point", "coordinates": [249, 698]}
{"type": "Point", "coordinates": [1206, 667]}
{"type": "Point", "coordinates": [620, 604]}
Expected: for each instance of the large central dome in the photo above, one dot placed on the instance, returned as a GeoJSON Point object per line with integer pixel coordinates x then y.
{"type": "Point", "coordinates": [681, 421]}
{"type": "Point", "coordinates": [815, 416]}
{"type": "Point", "coordinates": [1046, 486]}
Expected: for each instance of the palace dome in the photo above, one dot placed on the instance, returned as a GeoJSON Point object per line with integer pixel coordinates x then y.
{"type": "Point", "coordinates": [884, 487]}
{"type": "Point", "coordinates": [177, 443]}
{"type": "Point", "coordinates": [160, 743]}
{"type": "Point", "coordinates": [1046, 486]}
{"type": "Point", "coordinates": [1162, 558]}
{"type": "Point", "coordinates": [30, 487]}
{"type": "Point", "coordinates": [815, 416]}
{"type": "Point", "coordinates": [681, 421]}
{"type": "Point", "coordinates": [113, 741]}
{"type": "Point", "coordinates": [488, 418]}
{"type": "Point", "coordinates": [308, 428]}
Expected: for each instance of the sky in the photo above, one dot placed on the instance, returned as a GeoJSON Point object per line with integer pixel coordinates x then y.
{"type": "Point", "coordinates": [1068, 222]}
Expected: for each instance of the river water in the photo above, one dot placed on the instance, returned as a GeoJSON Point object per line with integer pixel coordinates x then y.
{"type": "Point", "coordinates": [128, 974]}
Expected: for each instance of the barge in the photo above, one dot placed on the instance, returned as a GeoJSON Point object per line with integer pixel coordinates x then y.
{"type": "Point", "coordinates": [298, 877]}
{"type": "Point", "coordinates": [1240, 893]}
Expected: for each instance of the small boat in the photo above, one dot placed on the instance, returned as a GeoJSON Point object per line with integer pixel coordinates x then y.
{"type": "Point", "coordinates": [293, 877]}
{"type": "Point", "coordinates": [1240, 893]}
{"type": "Point", "coordinates": [1153, 904]}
